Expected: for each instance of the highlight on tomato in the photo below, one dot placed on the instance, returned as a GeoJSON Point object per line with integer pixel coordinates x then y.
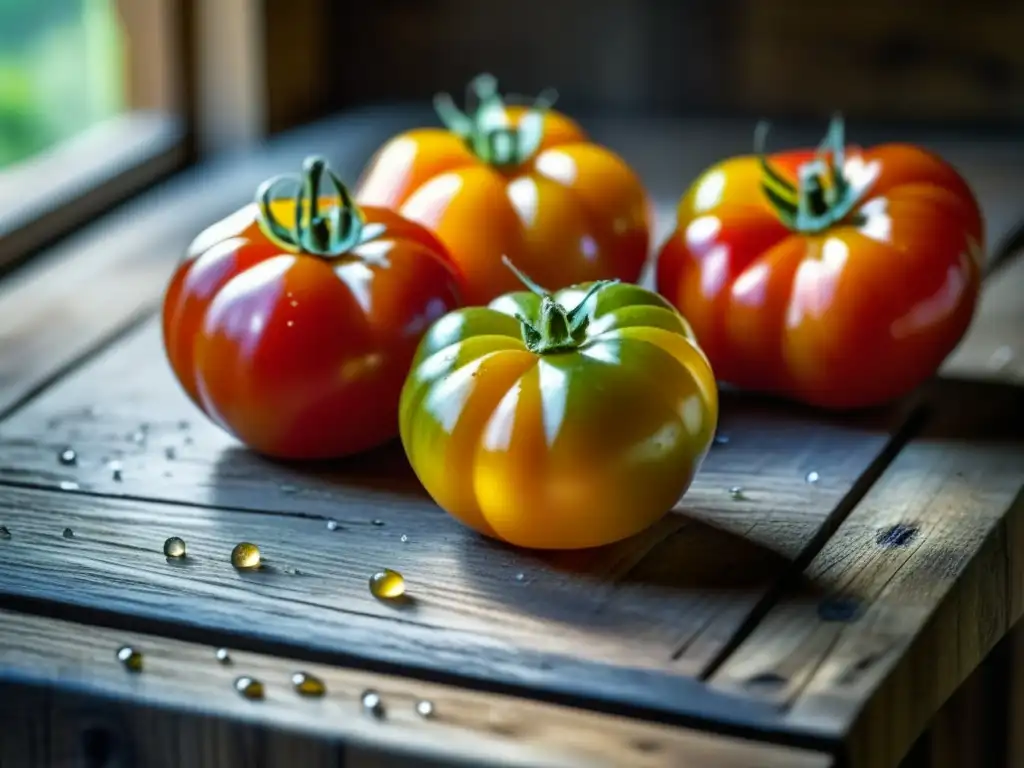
{"type": "Point", "coordinates": [516, 181]}
{"type": "Point", "coordinates": [840, 277]}
{"type": "Point", "coordinates": [559, 421]}
{"type": "Point", "coordinates": [293, 322]}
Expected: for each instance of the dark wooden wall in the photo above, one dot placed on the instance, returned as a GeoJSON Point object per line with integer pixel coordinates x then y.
{"type": "Point", "coordinates": [928, 60]}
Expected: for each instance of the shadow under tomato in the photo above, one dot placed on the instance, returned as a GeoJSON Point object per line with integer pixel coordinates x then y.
{"type": "Point", "coordinates": [668, 575]}
{"type": "Point", "coordinates": [374, 479]}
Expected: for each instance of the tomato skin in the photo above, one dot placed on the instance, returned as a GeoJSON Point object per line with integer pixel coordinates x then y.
{"type": "Point", "coordinates": [560, 450]}
{"type": "Point", "coordinates": [853, 316]}
{"type": "Point", "coordinates": [302, 356]}
{"type": "Point", "coordinates": [573, 212]}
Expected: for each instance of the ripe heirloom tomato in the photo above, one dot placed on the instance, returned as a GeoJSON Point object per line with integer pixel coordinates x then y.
{"type": "Point", "coordinates": [292, 323]}
{"type": "Point", "coordinates": [841, 277]}
{"type": "Point", "coordinates": [537, 422]}
{"type": "Point", "coordinates": [525, 183]}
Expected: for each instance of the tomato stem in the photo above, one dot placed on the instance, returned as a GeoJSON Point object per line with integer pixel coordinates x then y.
{"type": "Point", "coordinates": [557, 329]}
{"type": "Point", "coordinates": [484, 125]}
{"type": "Point", "coordinates": [330, 232]}
{"type": "Point", "coordinates": [822, 196]}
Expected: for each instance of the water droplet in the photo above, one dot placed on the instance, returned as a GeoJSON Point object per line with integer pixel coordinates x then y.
{"type": "Point", "coordinates": [286, 488]}
{"type": "Point", "coordinates": [174, 547]}
{"type": "Point", "coordinates": [378, 523]}
{"type": "Point", "coordinates": [812, 477]}
{"type": "Point", "coordinates": [425, 708]}
{"type": "Point", "coordinates": [387, 584]}
{"type": "Point", "coordinates": [4, 532]}
{"type": "Point", "coordinates": [115, 470]}
{"type": "Point", "coordinates": [68, 533]}
{"type": "Point", "coordinates": [306, 684]}
{"type": "Point", "coordinates": [69, 485]}
{"type": "Point", "coordinates": [520, 577]}
{"type": "Point", "coordinates": [332, 525]}
{"type": "Point", "coordinates": [183, 424]}
{"type": "Point", "coordinates": [721, 439]}
{"type": "Point", "coordinates": [130, 658]}
{"type": "Point", "coordinates": [372, 703]}
{"type": "Point", "coordinates": [404, 538]}
{"type": "Point", "coordinates": [68, 457]}
{"type": "Point", "coordinates": [249, 687]}
{"type": "Point", "coordinates": [245, 556]}
{"type": "Point", "coordinates": [223, 655]}
{"type": "Point", "coordinates": [138, 437]}
{"type": "Point", "coordinates": [737, 492]}
{"type": "Point", "coordinates": [171, 452]}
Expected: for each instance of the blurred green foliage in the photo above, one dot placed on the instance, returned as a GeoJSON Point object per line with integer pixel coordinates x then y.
{"type": "Point", "coordinates": [61, 71]}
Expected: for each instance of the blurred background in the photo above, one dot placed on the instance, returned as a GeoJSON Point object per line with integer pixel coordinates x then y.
{"type": "Point", "coordinates": [91, 90]}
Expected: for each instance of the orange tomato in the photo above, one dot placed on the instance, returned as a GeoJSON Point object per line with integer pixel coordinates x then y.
{"type": "Point", "coordinates": [292, 323]}
{"type": "Point", "coordinates": [524, 183]}
{"type": "Point", "coordinates": [841, 277]}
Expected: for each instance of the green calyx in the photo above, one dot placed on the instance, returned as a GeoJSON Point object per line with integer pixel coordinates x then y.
{"type": "Point", "coordinates": [322, 232]}
{"type": "Point", "coordinates": [822, 196]}
{"type": "Point", "coordinates": [557, 329]}
{"type": "Point", "coordinates": [484, 125]}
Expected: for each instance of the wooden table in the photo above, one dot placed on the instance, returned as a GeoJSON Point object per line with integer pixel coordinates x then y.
{"type": "Point", "coordinates": [805, 624]}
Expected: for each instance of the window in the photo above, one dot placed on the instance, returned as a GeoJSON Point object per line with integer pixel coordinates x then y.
{"type": "Point", "coordinates": [90, 111]}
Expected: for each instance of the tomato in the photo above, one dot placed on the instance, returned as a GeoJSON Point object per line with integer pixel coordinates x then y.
{"type": "Point", "coordinates": [841, 278]}
{"type": "Point", "coordinates": [292, 323]}
{"type": "Point", "coordinates": [525, 183]}
{"type": "Point", "coordinates": [539, 422]}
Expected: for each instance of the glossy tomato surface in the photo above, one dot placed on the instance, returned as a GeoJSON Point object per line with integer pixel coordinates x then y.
{"type": "Point", "coordinates": [570, 212]}
{"type": "Point", "coordinates": [853, 315]}
{"type": "Point", "coordinates": [299, 355]}
{"type": "Point", "coordinates": [560, 450]}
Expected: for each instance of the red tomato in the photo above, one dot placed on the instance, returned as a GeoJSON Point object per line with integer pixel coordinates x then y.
{"type": "Point", "coordinates": [841, 277]}
{"type": "Point", "coordinates": [295, 333]}
{"type": "Point", "coordinates": [522, 183]}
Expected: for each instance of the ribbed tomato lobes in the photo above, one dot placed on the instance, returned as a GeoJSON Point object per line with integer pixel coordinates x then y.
{"type": "Point", "coordinates": [297, 340]}
{"type": "Point", "coordinates": [845, 289]}
{"type": "Point", "coordinates": [576, 432]}
{"type": "Point", "coordinates": [527, 184]}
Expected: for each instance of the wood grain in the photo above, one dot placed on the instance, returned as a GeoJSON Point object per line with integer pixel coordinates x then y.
{"type": "Point", "coordinates": [660, 599]}
{"type": "Point", "coordinates": [182, 710]}
{"type": "Point", "coordinates": [920, 582]}
{"type": "Point", "coordinates": [993, 349]}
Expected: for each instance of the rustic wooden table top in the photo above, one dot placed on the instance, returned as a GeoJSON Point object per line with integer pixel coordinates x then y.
{"type": "Point", "coordinates": [802, 624]}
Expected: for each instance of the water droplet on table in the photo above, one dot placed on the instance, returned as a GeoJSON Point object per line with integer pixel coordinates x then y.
{"type": "Point", "coordinates": [174, 547]}
{"type": "Point", "coordinates": [332, 525]}
{"type": "Point", "coordinates": [249, 687]}
{"type": "Point", "coordinates": [138, 437]}
{"type": "Point", "coordinates": [223, 655]}
{"type": "Point", "coordinates": [425, 708]}
{"type": "Point", "coordinates": [520, 577]}
{"type": "Point", "coordinates": [68, 457]}
{"type": "Point", "coordinates": [69, 485]}
{"type": "Point", "coordinates": [404, 538]}
{"type": "Point", "coordinates": [68, 533]}
{"type": "Point", "coordinates": [721, 439]}
{"type": "Point", "coordinates": [812, 477]}
{"type": "Point", "coordinates": [130, 658]}
{"type": "Point", "coordinates": [378, 523]}
{"type": "Point", "coordinates": [372, 703]}
{"type": "Point", "coordinates": [115, 470]}
{"type": "Point", "coordinates": [245, 556]}
{"type": "Point", "coordinates": [737, 492]}
{"type": "Point", "coordinates": [387, 584]}
{"type": "Point", "coordinates": [306, 684]}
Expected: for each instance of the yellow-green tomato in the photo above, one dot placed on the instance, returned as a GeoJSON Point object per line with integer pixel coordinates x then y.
{"type": "Point", "coordinates": [559, 421]}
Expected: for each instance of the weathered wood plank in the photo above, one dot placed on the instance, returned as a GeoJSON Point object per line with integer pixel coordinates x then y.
{"type": "Point", "coordinates": [919, 582]}
{"type": "Point", "coordinates": [659, 598]}
{"type": "Point", "coordinates": [993, 348]}
{"type": "Point", "coordinates": [182, 709]}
